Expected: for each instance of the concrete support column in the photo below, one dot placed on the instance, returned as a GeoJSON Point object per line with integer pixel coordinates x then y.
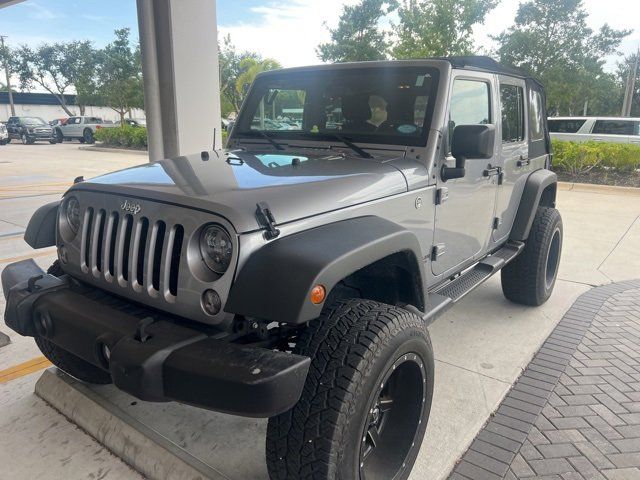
{"type": "Point", "coordinates": [179, 45]}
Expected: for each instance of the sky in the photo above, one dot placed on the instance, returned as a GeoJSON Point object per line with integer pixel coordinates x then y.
{"type": "Point", "coordinates": [286, 30]}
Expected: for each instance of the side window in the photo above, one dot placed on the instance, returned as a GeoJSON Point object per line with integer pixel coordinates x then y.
{"type": "Point", "coordinates": [614, 127]}
{"type": "Point", "coordinates": [512, 111]}
{"type": "Point", "coordinates": [470, 104]}
{"type": "Point", "coordinates": [565, 126]}
{"type": "Point", "coordinates": [535, 116]}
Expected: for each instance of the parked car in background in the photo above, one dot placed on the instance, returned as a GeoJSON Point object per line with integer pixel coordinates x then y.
{"type": "Point", "coordinates": [80, 128]}
{"type": "Point", "coordinates": [29, 130]}
{"type": "Point", "coordinates": [58, 121]}
{"type": "Point", "coordinates": [4, 134]}
{"type": "Point", "coordinates": [598, 129]}
{"type": "Point", "coordinates": [136, 122]}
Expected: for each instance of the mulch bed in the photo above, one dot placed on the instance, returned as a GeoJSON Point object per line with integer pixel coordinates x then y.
{"type": "Point", "coordinates": [603, 178]}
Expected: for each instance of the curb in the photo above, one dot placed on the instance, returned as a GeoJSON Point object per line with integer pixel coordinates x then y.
{"type": "Point", "coordinates": [114, 150]}
{"type": "Point", "coordinates": [595, 188]}
{"type": "Point", "coordinates": [144, 449]}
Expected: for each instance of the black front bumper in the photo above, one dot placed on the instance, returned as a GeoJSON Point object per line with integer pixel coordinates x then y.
{"type": "Point", "coordinates": [154, 359]}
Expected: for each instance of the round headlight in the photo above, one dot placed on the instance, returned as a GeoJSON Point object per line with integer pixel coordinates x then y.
{"type": "Point", "coordinates": [216, 248]}
{"type": "Point", "coordinates": [72, 213]}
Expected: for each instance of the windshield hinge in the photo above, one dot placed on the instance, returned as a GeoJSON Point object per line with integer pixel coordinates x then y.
{"type": "Point", "coordinates": [266, 220]}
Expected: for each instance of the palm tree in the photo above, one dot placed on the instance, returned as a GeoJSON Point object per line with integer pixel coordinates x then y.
{"type": "Point", "coordinates": [251, 67]}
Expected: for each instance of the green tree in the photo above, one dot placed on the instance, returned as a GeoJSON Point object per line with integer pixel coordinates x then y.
{"type": "Point", "coordinates": [551, 40]}
{"type": "Point", "coordinates": [250, 68]}
{"type": "Point", "coordinates": [431, 28]}
{"type": "Point", "coordinates": [120, 75]}
{"type": "Point", "coordinates": [57, 68]}
{"type": "Point", "coordinates": [230, 62]}
{"type": "Point", "coordinates": [358, 36]}
{"type": "Point", "coordinates": [237, 72]}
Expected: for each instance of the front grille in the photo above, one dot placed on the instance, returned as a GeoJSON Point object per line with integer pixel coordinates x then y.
{"type": "Point", "coordinates": [132, 252]}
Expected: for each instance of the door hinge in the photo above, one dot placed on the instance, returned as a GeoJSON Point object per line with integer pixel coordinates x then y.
{"type": "Point", "coordinates": [442, 195]}
{"type": "Point", "coordinates": [437, 251]}
{"type": "Point", "coordinates": [266, 220]}
{"type": "Point", "coordinates": [494, 171]}
{"type": "Point", "coordinates": [497, 223]}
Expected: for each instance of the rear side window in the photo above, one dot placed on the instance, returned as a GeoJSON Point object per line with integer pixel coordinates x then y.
{"type": "Point", "coordinates": [470, 104]}
{"type": "Point", "coordinates": [512, 111]}
{"type": "Point", "coordinates": [566, 126]}
{"type": "Point", "coordinates": [535, 116]}
{"type": "Point", "coordinates": [614, 127]}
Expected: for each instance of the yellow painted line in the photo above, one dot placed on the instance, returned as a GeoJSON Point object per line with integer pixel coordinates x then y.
{"type": "Point", "coordinates": [46, 253]}
{"type": "Point", "coordinates": [22, 369]}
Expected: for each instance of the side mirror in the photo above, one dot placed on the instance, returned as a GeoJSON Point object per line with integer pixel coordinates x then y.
{"type": "Point", "coordinates": [469, 142]}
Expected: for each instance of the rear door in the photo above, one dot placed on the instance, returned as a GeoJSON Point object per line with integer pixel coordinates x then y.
{"type": "Point", "coordinates": [514, 158]}
{"type": "Point", "coordinates": [465, 212]}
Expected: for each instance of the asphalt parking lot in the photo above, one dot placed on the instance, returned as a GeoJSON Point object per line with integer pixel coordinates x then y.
{"type": "Point", "coordinates": [481, 347]}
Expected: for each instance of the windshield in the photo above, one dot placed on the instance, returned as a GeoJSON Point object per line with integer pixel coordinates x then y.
{"type": "Point", "coordinates": [33, 121]}
{"type": "Point", "coordinates": [369, 105]}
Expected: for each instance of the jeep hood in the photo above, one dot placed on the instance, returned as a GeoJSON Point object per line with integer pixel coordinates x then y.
{"type": "Point", "coordinates": [231, 183]}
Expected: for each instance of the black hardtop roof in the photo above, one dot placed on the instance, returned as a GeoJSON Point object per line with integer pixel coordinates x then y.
{"type": "Point", "coordinates": [484, 63]}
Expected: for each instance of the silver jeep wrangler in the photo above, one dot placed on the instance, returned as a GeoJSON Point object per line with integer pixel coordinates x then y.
{"type": "Point", "coordinates": [293, 274]}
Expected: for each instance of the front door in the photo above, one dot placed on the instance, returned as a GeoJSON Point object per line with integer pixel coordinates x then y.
{"type": "Point", "coordinates": [465, 212]}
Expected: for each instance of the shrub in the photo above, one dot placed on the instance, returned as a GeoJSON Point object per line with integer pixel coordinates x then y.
{"type": "Point", "coordinates": [123, 137]}
{"type": "Point", "coordinates": [581, 158]}
{"type": "Point", "coordinates": [130, 137]}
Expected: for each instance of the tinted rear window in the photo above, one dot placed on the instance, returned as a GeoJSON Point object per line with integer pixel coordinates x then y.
{"type": "Point", "coordinates": [565, 126]}
{"type": "Point", "coordinates": [614, 127]}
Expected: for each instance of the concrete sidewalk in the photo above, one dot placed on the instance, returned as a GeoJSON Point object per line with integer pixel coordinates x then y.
{"type": "Point", "coordinates": [481, 348]}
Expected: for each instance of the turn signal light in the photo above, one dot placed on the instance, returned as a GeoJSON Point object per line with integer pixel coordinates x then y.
{"type": "Point", "coordinates": [318, 293]}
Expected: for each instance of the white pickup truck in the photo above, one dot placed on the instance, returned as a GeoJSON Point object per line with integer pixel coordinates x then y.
{"type": "Point", "coordinates": [81, 128]}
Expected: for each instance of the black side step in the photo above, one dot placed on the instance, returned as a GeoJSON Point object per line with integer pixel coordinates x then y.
{"type": "Point", "coordinates": [468, 281]}
{"type": "Point", "coordinates": [442, 298]}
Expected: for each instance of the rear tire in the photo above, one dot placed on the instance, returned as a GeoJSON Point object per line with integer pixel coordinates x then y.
{"type": "Point", "coordinates": [529, 279]}
{"type": "Point", "coordinates": [66, 361]}
{"type": "Point", "coordinates": [366, 401]}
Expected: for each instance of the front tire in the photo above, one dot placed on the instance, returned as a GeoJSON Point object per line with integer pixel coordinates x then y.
{"type": "Point", "coordinates": [366, 401]}
{"type": "Point", "coordinates": [26, 140]}
{"type": "Point", "coordinates": [529, 279]}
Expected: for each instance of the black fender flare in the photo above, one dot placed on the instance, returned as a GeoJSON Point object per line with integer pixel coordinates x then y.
{"type": "Point", "coordinates": [41, 230]}
{"type": "Point", "coordinates": [276, 281]}
{"type": "Point", "coordinates": [537, 184]}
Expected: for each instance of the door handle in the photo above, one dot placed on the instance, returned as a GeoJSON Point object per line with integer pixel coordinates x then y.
{"type": "Point", "coordinates": [523, 161]}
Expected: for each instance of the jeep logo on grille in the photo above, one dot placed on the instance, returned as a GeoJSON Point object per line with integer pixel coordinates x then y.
{"type": "Point", "coordinates": [130, 207]}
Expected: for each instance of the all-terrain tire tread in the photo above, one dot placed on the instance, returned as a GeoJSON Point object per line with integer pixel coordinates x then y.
{"type": "Point", "coordinates": [521, 278]}
{"type": "Point", "coordinates": [304, 442]}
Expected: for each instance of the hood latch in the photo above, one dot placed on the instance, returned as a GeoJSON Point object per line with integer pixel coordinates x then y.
{"type": "Point", "coordinates": [266, 220]}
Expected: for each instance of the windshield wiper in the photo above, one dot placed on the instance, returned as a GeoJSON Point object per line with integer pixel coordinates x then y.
{"type": "Point", "coordinates": [349, 144]}
{"type": "Point", "coordinates": [266, 136]}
